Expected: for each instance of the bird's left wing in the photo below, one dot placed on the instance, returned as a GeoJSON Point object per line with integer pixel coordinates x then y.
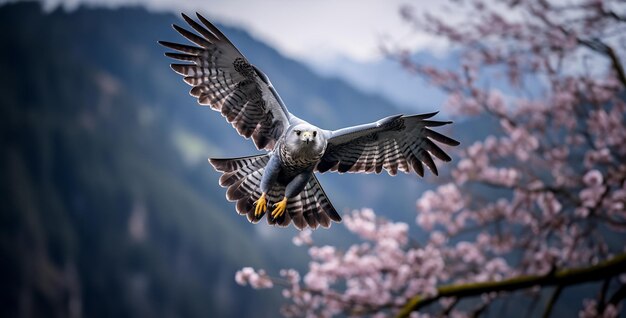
{"type": "Point", "coordinates": [394, 143]}
{"type": "Point", "coordinates": [222, 78]}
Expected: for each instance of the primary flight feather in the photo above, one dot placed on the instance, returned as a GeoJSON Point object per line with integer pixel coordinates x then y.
{"type": "Point", "coordinates": [281, 183]}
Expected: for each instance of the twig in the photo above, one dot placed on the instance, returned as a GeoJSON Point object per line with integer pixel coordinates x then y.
{"type": "Point", "coordinates": [619, 295]}
{"type": "Point", "coordinates": [602, 297]}
{"type": "Point", "coordinates": [550, 305]}
{"type": "Point", "coordinates": [446, 311]}
{"type": "Point", "coordinates": [480, 309]}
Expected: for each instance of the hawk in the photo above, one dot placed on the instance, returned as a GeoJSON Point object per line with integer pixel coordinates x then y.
{"type": "Point", "coordinates": [281, 184]}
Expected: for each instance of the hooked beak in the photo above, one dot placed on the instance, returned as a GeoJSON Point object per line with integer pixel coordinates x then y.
{"type": "Point", "coordinates": [307, 137]}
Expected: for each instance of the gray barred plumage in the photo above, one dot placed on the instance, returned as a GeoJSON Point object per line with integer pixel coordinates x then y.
{"type": "Point", "coordinates": [222, 78]}
{"type": "Point", "coordinates": [293, 163]}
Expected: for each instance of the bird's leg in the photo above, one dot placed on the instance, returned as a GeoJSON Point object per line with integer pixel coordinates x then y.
{"type": "Point", "coordinates": [270, 174]}
{"type": "Point", "coordinates": [279, 208]}
{"type": "Point", "coordinates": [292, 190]}
{"type": "Point", "coordinates": [260, 205]}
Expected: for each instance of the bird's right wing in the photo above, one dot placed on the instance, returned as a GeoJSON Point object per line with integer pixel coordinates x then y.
{"type": "Point", "coordinates": [394, 143]}
{"type": "Point", "coordinates": [222, 78]}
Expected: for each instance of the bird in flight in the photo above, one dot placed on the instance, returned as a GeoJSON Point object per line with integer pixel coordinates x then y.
{"type": "Point", "coordinates": [281, 184]}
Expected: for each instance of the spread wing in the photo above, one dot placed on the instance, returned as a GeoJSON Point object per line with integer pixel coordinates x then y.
{"type": "Point", "coordinates": [394, 143]}
{"type": "Point", "coordinates": [222, 78]}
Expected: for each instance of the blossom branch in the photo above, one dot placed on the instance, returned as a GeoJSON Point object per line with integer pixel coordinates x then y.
{"type": "Point", "coordinates": [563, 277]}
{"type": "Point", "coordinates": [607, 50]}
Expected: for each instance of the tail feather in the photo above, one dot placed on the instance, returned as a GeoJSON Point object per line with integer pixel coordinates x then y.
{"type": "Point", "coordinates": [242, 176]}
{"type": "Point", "coordinates": [310, 208]}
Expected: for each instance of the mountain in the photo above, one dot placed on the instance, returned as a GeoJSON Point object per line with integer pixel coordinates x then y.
{"type": "Point", "coordinates": [108, 205]}
{"type": "Point", "coordinates": [411, 92]}
{"type": "Point", "coordinates": [387, 78]}
{"type": "Point", "coordinates": [100, 215]}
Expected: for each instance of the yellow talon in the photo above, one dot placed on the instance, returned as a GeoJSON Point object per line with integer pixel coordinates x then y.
{"type": "Point", "coordinates": [261, 205]}
{"type": "Point", "coordinates": [280, 208]}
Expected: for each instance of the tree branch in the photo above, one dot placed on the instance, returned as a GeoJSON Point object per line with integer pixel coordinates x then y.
{"type": "Point", "coordinates": [618, 296]}
{"type": "Point", "coordinates": [617, 65]}
{"type": "Point", "coordinates": [603, 291]}
{"type": "Point", "coordinates": [552, 301]}
{"type": "Point", "coordinates": [598, 46]}
{"type": "Point", "coordinates": [595, 45]}
{"type": "Point", "coordinates": [562, 277]}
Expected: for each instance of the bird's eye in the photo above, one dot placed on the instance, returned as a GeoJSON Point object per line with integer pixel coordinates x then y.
{"type": "Point", "coordinates": [298, 132]}
{"type": "Point", "coordinates": [314, 134]}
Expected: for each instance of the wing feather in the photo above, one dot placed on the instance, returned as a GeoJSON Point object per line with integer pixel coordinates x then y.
{"type": "Point", "coordinates": [208, 35]}
{"type": "Point", "coordinates": [192, 37]}
{"type": "Point", "coordinates": [182, 47]}
{"type": "Point", "coordinates": [396, 143]}
{"type": "Point", "coordinates": [222, 78]}
{"type": "Point", "coordinates": [439, 137]}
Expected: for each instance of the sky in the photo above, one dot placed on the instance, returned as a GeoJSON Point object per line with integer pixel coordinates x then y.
{"type": "Point", "coordinates": [312, 31]}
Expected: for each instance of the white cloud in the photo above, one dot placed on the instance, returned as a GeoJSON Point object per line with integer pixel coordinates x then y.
{"type": "Point", "coordinates": [306, 30]}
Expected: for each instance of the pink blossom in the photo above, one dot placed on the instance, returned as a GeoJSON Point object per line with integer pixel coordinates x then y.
{"type": "Point", "coordinates": [437, 238]}
{"type": "Point", "coordinates": [495, 102]}
{"type": "Point", "coordinates": [469, 252]}
{"type": "Point", "coordinates": [257, 280]}
{"type": "Point", "coordinates": [303, 238]}
{"type": "Point", "coordinates": [548, 204]}
{"type": "Point", "coordinates": [593, 157]}
{"type": "Point", "coordinates": [292, 276]}
{"type": "Point", "coordinates": [590, 310]}
{"type": "Point", "coordinates": [592, 194]}
{"type": "Point", "coordinates": [324, 253]}
{"type": "Point", "coordinates": [593, 178]}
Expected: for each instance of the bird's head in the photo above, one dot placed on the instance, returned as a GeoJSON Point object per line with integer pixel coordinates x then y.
{"type": "Point", "coordinates": [306, 137]}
